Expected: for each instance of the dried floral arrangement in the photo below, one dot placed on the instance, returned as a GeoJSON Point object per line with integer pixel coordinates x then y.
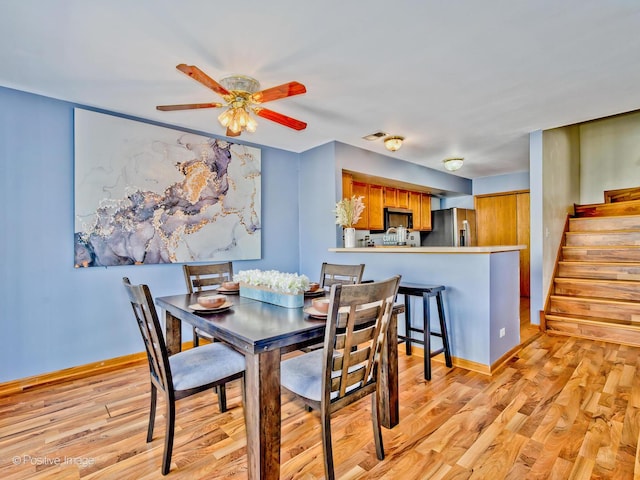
{"type": "Point", "coordinates": [348, 211]}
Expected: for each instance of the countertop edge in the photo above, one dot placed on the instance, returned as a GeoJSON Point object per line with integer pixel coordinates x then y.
{"type": "Point", "coordinates": [432, 250]}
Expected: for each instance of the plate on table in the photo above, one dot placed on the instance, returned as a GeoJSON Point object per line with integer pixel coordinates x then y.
{"type": "Point", "coordinates": [227, 291]}
{"type": "Point", "coordinates": [317, 293]}
{"type": "Point", "coordinates": [196, 307]}
{"type": "Point", "coordinates": [313, 313]}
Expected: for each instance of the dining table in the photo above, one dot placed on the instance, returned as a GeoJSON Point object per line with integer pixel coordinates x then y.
{"type": "Point", "coordinates": [263, 332]}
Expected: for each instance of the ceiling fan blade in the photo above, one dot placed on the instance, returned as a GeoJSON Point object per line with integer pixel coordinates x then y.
{"type": "Point", "coordinates": [188, 106]}
{"type": "Point", "coordinates": [280, 118]}
{"type": "Point", "coordinates": [281, 91]}
{"type": "Point", "coordinates": [231, 133]}
{"type": "Point", "coordinates": [198, 75]}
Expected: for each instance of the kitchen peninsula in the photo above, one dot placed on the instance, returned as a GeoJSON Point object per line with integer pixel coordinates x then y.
{"type": "Point", "coordinates": [482, 295]}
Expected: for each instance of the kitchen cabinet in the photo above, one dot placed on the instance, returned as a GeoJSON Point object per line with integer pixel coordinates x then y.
{"type": "Point", "coordinates": [425, 211]}
{"type": "Point", "coordinates": [378, 197]}
{"type": "Point", "coordinates": [390, 197]}
{"type": "Point", "coordinates": [414, 206]}
{"type": "Point", "coordinates": [373, 198]}
{"type": "Point", "coordinates": [347, 181]}
{"type": "Point", "coordinates": [376, 202]}
{"type": "Point", "coordinates": [403, 199]}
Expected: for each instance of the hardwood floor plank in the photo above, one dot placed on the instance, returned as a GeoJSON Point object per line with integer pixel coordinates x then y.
{"type": "Point", "coordinates": [562, 408]}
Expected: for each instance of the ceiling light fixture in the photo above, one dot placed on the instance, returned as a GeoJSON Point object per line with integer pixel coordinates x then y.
{"type": "Point", "coordinates": [453, 163]}
{"type": "Point", "coordinates": [393, 143]}
{"type": "Point", "coordinates": [236, 118]}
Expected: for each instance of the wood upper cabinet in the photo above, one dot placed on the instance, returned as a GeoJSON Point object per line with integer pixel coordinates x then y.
{"type": "Point", "coordinates": [390, 197]}
{"type": "Point", "coordinates": [414, 206]}
{"type": "Point", "coordinates": [378, 197]}
{"type": "Point", "coordinates": [376, 203]}
{"type": "Point", "coordinates": [425, 212]}
{"type": "Point", "coordinates": [347, 180]}
{"type": "Point", "coordinates": [403, 199]}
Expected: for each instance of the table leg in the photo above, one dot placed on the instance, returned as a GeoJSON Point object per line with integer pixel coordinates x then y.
{"type": "Point", "coordinates": [173, 334]}
{"type": "Point", "coordinates": [262, 414]}
{"type": "Point", "coordinates": [389, 376]}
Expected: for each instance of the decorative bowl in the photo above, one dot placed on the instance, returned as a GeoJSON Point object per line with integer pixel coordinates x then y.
{"type": "Point", "coordinates": [313, 286]}
{"type": "Point", "coordinates": [321, 304]}
{"type": "Point", "coordinates": [231, 285]}
{"type": "Point", "coordinates": [211, 301]}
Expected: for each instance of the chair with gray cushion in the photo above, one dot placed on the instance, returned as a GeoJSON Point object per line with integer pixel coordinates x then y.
{"type": "Point", "coordinates": [202, 278]}
{"type": "Point", "coordinates": [183, 374]}
{"type": "Point", "coordinates": [348, 367]}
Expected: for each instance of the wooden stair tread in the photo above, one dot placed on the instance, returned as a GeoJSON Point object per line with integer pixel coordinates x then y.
{"type": "Point", "coordinates": [629, 207]}
{"type": "Point", "coordinates": [599, 281]}
{"type": "Point", "coordinates": [598, 300]}
{"type": "Point", "coordinates": [597, 264]}
{"type": "Point", "coordinates": [603, 247]}
{"type": "Point", "coordinates": [604, 232]}
{"type": "Point", "coordinates": [591, 320]}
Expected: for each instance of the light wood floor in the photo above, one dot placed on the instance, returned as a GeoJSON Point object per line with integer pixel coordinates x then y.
{"type": "Point", "coordinates": [563, 408]}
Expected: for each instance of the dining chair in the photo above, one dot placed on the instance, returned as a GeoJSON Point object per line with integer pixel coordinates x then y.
{"type": "Point", "coordinates": [183, 374]}
{"type": "Point", "coordinates": [348, 367]}
{"type": "Point", "coordinates": [332, 273]}
{"type": "Point", "coordinates": [201, 278]}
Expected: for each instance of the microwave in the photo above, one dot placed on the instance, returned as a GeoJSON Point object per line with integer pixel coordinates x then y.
{"type": "Point", "coordinates": [396, 217]}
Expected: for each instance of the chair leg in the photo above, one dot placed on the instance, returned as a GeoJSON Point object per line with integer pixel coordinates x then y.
{"type": "Point", "coordinates": [407, 324]}
{"type": "Point", "coordinates": [152, 412]}
{"type": "Point", "coordinates": [222, 397]}
{"type": "Point", "coordinates": [168, 438]}
{"type": "Point", "coordinates": [196, 338]}
{"type": "Point", "coordinates": [377, 431]}
{"type": "Point", "coordinates": [325, 418]}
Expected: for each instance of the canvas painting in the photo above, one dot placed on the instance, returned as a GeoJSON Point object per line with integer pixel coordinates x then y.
{"type": "Point", "coordinates": [146, 194]}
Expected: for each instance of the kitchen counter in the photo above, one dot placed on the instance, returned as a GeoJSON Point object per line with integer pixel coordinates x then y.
{"type": "Point", "coordinates": [407, 249]}
{"type": "Point", "coordinates": [482, 296]}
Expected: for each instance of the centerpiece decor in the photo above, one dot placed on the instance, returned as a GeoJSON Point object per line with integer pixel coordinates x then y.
{"type": "Point", "coordinates": [348, 212]}
{"type": "Point", "coordinates": [270, 286]}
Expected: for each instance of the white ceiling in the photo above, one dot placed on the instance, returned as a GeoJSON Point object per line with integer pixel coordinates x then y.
{"type": "Point", "coordinates": [460, 77]}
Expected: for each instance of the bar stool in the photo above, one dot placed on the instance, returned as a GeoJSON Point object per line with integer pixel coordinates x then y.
{"type": "Point", "coordinates": [426, 292]}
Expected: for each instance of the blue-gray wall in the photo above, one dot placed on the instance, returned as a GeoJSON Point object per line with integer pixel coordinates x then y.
{"type": "Point", "coordinates": [55, 316]}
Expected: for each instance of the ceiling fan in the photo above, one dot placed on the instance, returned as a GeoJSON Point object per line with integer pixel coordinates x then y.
{"type": "Point", "coordinates": [241, 95]}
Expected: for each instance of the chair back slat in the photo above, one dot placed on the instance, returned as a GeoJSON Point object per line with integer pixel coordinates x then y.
{"type": "Point", "coordinates": [356, 326]}
{"type": "Point", "coordinates": [332, 274]}
{"type": "Point", "coordinates": [147, 319]}
{"type": "Point", "coordinates": [200, 278]}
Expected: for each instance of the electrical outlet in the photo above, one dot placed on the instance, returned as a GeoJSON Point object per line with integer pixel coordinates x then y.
{"type": "Point", "coordinates": [503, 332]}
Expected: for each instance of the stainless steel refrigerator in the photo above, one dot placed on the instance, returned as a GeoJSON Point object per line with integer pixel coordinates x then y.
{"type": "Point", "coordinates": [451, 227]}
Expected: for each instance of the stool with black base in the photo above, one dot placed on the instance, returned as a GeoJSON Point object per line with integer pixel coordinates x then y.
{"type": "Point", "coordinates": [426, 292]}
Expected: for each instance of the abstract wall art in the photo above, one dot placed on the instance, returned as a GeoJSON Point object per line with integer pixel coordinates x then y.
{"type": "Point", "coordinates": [146, 194]}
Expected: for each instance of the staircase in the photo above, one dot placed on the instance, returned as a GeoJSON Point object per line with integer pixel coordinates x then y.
{"type": "Point", "coordinates": [596, 289]}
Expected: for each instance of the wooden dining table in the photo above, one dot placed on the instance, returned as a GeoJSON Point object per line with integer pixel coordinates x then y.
{"type": "Point", "coordinates": [263, 332]}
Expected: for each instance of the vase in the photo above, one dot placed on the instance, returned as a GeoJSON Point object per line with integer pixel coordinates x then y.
{"type": "Point", "coordinates": [349, 237]}
{"type": "Point", "coordinates": [264, 294]}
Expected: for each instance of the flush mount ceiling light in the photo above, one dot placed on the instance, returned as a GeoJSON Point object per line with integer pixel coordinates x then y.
{"type": "Point", "coordinates": [453, 163]}
{"type": "Point", "coordinates": [393, 143]}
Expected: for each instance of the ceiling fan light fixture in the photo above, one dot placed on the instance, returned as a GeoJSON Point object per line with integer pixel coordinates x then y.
{"type": "Point", "coordinates": [453, 163]}
{"type": "Point", "coordinates": [225, 118]}
{"type": "Point", "coordinates": [242, 96]}
{"type": "Point", "coordinates": [393, 143]}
